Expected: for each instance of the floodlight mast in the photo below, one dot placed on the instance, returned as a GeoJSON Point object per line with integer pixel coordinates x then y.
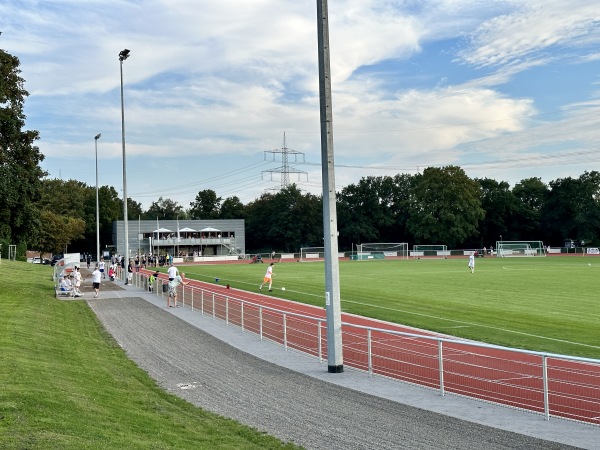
{"type": "Point", "coordinates": [97, 202]}
{"type": "Point", "coordinates": [123, 55]}
{"type": "Point", "coordinates": [335, 361]}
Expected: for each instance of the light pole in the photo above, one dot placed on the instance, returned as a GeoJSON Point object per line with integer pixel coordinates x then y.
{"type": "Point", "coordinates": [123, 55]}
{"type": "Point", "coordinates": [335, 359]}
{"type": "Point", "coordinates": [97, 203]}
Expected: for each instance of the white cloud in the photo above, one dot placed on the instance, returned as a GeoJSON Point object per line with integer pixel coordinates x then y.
{"type": "Point", "coordinates": [224, 79]}
{"type": "Point", "coordinates": [534, 26]}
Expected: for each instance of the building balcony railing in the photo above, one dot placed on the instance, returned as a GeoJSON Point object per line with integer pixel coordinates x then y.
{"type": "Point", "coordinates": [193, 241]}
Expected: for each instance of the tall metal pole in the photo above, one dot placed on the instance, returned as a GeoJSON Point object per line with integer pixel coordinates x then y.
{"type": "Point", "coordinates": [335, 360]}
{"type": "Point", "coordinates": [97, 203]}
{"type": "Point", "coordinates": [123, 55]}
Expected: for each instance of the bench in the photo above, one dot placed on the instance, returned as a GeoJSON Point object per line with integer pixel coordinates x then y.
{"type": "Point", "coordinates": [60, 293]}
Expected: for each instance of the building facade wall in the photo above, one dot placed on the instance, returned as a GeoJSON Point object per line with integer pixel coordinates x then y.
{"type": "Point", "coordinates": [230, 234]}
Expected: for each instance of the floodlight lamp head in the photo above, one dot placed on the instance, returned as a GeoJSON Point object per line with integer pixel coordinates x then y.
{"type": "Point", "coordinates": [98, 136]}
{"type": "Point", "coordinates": [124, 54]}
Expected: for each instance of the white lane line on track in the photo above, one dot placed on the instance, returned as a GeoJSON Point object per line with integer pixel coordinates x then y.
{"type": "Point", "coordinates": [476, 325]}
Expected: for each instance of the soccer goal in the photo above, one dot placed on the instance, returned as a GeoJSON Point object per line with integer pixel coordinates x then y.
{"type": "Point", "coordinates": [430, 251]}
{"type": "Point", "coordinates": [505, 249]}
{"type": "Point", "coordinates": [312, 253]}
{"type": "Point", "coordinates": [381, 250]}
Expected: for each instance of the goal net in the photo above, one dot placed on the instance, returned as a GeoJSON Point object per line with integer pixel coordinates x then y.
{"type": "Point", "coordinates": [430, 251]}
{"type": "Point", "coordinates": [312, 253]}
{"type": "Point", "coordinates": [381, 250]}
{"type": "Point", "coordinates": [519, 248]}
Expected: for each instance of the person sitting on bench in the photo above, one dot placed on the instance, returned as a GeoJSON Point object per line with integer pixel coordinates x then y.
{"type": "Point", "coordinates": [65, 286]}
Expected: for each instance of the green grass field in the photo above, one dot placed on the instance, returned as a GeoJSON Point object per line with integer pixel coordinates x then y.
{"type": "Point", "coordinates": [66, 384]}
{"type": "Point", "coordinates": [547, 304]}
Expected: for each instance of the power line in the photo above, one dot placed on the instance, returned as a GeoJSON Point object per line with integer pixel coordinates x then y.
{"type": "Point", "coordinates": [570, 155]}
{"type": "Point", "coordinates": [187, 187]}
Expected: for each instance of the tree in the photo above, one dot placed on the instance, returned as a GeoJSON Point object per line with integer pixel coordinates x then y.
{"type": "Point", "coordinates": [445, 206]}
{"type": "Point", "coordinates": [57, 231]}
{"type": "Point", "coordinates": [355, 222]}
{"type": "Point", "coordinates": [531, 195]}
{"type": "Point", "coordinates": [111, 210]}
{"type": "Point", "coordinates": [284, 221]}
{"type": "Point", "coordinates": [63, 201]}
{"type": "Point", "coordinates": [375, 210]}
{"type": "Point", "coordinates": [65, 197]}
{"type": "Point", "coordinates": [206, 206]}
{"type": "Point", "coordinates": [260, 213]}
{"type": "Point", "coordinates": [362, 211]}
{"type": "Point", "coordinates": [20, 173]}
{"type": "Point", "coordinates": [296, 221]}
{"type": "Point", "coordinates": [501, 210]}
{"type": "Point", "coordinates": [232, 208]}
{"type": "Point", "coordinates": [164, 209]}
{"type": "Point", "coordinates": [572, 209]}
{"type": "Point", "coordinates": [74, 199]}
{"type": "Point", "coordinates": [400, 207]}
{"type": "Point", "coordinates": [135, 210]}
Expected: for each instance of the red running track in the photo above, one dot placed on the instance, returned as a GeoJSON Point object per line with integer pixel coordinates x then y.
{"type": "Point", "coordinates": [501, 375]}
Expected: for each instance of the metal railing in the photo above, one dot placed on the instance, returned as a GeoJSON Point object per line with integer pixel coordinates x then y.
{"type": "Point", "coordinates": [549, 384]}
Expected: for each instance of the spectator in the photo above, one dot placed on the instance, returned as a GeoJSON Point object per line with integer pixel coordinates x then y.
{"type": "Point", "coordinates": [101, 267]}
{"type": "Point", "coordinates": [173, 284]}
{"type": "Point", "coordinates": [77, 281]}
{"type": "Point", "coordinates": [96, 280]}
{"type": "Point", "coordinates": [65, 286]}
{"type": "Point", "coordinates": [130, 272]}
{"type": "Point", "coordinates": [172, 272]}
{"type": "Point", "coordinates": [152, 280]}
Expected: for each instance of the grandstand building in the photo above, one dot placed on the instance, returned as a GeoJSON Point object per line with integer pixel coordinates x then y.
{"type": "Point", "coordinates": [184, 239]}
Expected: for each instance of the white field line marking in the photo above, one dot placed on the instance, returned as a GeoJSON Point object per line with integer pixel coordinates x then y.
{"type": "Point", "coordinates": [475, 324]}
{"type": "Point", "coordinates": [465, 324]}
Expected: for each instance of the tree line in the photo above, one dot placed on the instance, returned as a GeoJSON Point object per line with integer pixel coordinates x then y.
{"type": "Point", "coordinates": [438, 206]}
{"type": "Point", "coordinates": [441, 205]}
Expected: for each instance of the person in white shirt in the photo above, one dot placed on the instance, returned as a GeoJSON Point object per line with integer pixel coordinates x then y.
{"type": "Point", "coordinates": [77, 281]}
{"type": "Point", "coordinates": [268, 277]}
{"type": "Point", "coordinates": [96, 280]}
{"type": "Point", "coordinates": [101, 267]}
{"type": "Point", "coordinates": [173, 284]}
{"type": "Point", "coordinates": [65, 285]}
{"type": "Point", "coordinates": [472, 262]}
{"type": "Point", "coordinates": [172, 271]}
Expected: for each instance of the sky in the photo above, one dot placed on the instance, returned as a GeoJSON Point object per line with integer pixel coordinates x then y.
{"type": "Point", "coordinates": [215, 90]}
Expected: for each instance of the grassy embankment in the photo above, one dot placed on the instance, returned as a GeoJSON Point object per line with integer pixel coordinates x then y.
{"type": "Point", "coordinates": [65, 383]}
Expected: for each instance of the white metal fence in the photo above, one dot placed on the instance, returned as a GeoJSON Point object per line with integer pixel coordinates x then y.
{"type": "Point", "coordinates": [548, 384]}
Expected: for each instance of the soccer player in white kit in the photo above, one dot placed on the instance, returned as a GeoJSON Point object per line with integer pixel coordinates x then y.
{"type": "Point", "coordinates": [268, 277]}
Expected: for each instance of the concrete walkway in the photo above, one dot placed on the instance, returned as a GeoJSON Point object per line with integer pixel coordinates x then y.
{"type": "Point", "coordinates": [292, 396]}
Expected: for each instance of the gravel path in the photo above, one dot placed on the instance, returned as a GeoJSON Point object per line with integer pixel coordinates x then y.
{"type": "Point", "coordinates": [293, 407]}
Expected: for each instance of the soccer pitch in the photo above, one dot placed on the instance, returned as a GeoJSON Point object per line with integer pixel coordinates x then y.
{"type": "Point", "coordinates": [546, 304]}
